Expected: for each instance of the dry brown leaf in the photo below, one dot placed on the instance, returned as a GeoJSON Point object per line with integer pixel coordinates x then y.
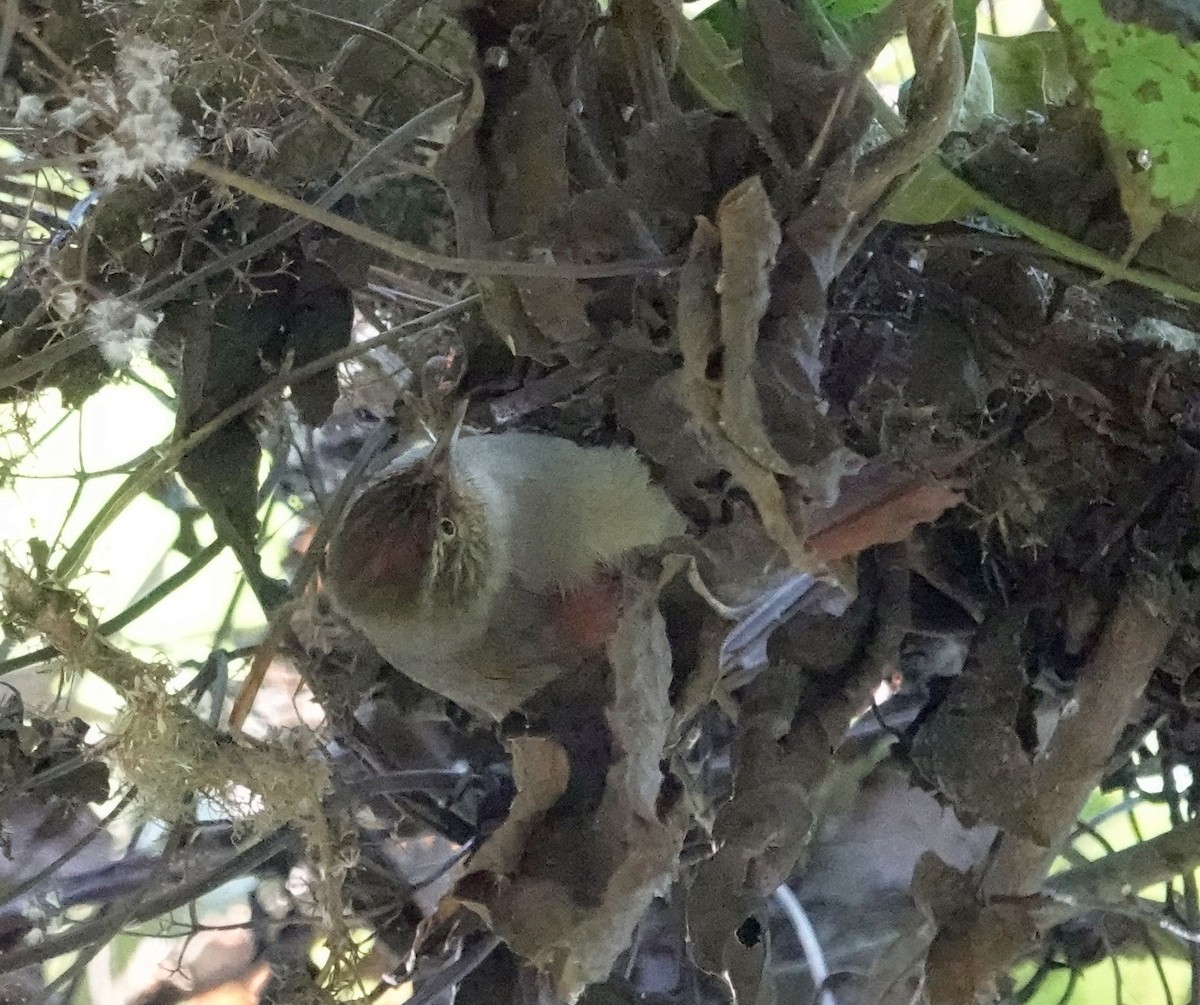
{"type": "Point", "coordinates": [506, 317]}
{"type": "Point", "coordinates": [888, 520]}
{"type": "Point", "coordinates": [980, 713]}
{"type": "Point", "coordinates": [528, 157]}
{"type": "Point", "coordinates": [461, 174]}
{"type": "Point", "coordinates": [750, 239]}
{"type": "Point", "coordinates": [541, 770]}
{"type": "Point", "coordinates": [528, 154]}
{"type": "Point", "coordinates": [569, 890]}
{"type": "Point", "coordinates": [647, 847]}
{"type": "Point", "coordinates": [557, 308]}
{"type": "Point", "coordinates": [974, 940]}
{"type": "Point", "coordinates": [698, 327]}
{"type": "Point", "coordinates": [698, 322]}
{"type": "Point", "coordinates": [761, 833]}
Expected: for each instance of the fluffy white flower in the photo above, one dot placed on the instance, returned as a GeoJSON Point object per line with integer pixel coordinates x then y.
{"type": "Point", "coordinates": [74, 114]}
{"type": "Point", "coordinates": [146, 139]}
{"type": "Point", "coordinates": [258, 144]}
{"type": "Point", "coordinates": [65, 302]}
{"type": "Point", "coordinates": [119, 330]}
{"type": "Point", "coordinates": [142, 58]}
{"type": "Point", "coordinates": [31, 110]}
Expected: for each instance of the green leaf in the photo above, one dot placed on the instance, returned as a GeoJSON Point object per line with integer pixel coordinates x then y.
{"type": "Point", "coordinates": [728, 17]}
{"type": "Point", "coordinates": [1146, 87]}
{"type": "Point", "coordinates": [710, 65]}
{"type": "Point", "coordinates": [1029, 72]}
{"type": "Point", "coordinates": [979, 95]}
{"type": "Point", "coordinates": [966, 23]}
{"type": "Point", "coordinates": [932, 195]}
{"type": "Point", "coordinates": [853, 10]}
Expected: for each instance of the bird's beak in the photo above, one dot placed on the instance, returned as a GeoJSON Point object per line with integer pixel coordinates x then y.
{"type": "Point", "coordinates": [438, 459]}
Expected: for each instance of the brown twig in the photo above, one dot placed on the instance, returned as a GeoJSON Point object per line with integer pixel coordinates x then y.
{"type": "Point", "coordinates": [1127, 653]}
{"type": "Point", "coordinates": [266, 651]}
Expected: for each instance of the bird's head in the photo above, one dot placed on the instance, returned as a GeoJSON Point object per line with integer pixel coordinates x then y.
{"type": "Point", "coordinates": [414, 544]}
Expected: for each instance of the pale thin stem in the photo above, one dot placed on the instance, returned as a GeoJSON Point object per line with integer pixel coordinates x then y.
{"type": "Point", "coordinates": [813, 954]}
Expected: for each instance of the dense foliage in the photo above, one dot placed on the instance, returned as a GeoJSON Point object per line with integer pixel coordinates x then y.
{"type": "Point", "coordinates": [911, 712]}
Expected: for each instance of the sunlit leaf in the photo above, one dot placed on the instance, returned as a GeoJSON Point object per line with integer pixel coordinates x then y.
{"type": "Point", "coordinates": [1144, 85]}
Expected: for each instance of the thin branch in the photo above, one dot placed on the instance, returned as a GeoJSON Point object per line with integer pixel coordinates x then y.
{"type": "Point", "coordinates": [281, 619]}
{"type": "Point", "coordinates": [8, 29]}
{"type": "Point", "coordinates": [390, 145]}
{"type": "Point", "coordinates": [113, 916]}
{"type": "Point", "coordinates": [407, 252]}
{"type": "Point", "coordinates": [1109, 879]}
{"type": "Point", "coordinates": [27, 884]}
{"type": "Point", "coordinates": [132, 612]}
{"type": "Point", "coordinates": [86, 933]}
{"type": "Point", "coordinates": [168, 457]}
{"type": "Point", "coordinates": [1129, 650]}
{"type": "Point", "coordinates": [450, 975]}
{"type": "Point", "coordinates": [363, 29]}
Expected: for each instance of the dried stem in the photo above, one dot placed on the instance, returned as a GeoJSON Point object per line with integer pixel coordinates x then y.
{"type": "Point", "coordinates": [1126, 655]}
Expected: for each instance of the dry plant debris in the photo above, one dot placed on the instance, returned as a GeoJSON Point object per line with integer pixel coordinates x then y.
{"type": "Point", "coordinates": [865, 355]}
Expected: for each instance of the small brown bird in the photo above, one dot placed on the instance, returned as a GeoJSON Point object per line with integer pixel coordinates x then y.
{"type": "Point", "coordinates": [483, 567]}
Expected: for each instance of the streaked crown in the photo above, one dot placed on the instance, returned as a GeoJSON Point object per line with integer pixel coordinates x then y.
{"type": "Point", "coordinates": [413, 544]}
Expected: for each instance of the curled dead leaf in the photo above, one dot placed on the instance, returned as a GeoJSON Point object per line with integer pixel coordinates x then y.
{"type": "Point", "coordinates": [566, 890]}
{"type": "Point", "coordinates": [541, 771]}
{"type": "Point", "coordinates": [886, 520]}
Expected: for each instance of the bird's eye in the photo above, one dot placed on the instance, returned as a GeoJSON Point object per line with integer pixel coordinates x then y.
{"type": "Point", "coordinates": [447, 527]}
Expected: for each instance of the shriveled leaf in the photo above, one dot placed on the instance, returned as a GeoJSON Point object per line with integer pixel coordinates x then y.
{"type": "Point", "coordinates": [727, 927]}
{"type": "Point", "coordinates": [671, 174]}
{"type": "Point", "coordinates": [513, 200]}
{"type": "Point", "coordinates": [645, 846]}
{"type": "Point", "coordinates": [790, 75]}
{"type": "Point", "coordinates": [974, 940]}
{"type": "Point", "coordinates": [962, 966]}
{"type": "Point", "coordinates": [569, 889]}
{"type": "Point", "coordinates": [795, 412]}
{"type": "Point", "coordinates": [505, 315]}
{"type": "Point", "coordinates": [557, 308]}
{"type": "Point", "coordinates": [980, 713]}
{"type": "Point", "coordinates": [461, 171]}
{"type": "Point", "coordinates": [540, 771]}
{"type": "Point", "coordinates": [528, 153]}
{"type": "Point", "coordinates": [946, 894]}
{"type": "Point", "coordinates": [750, 238]}
{"type": "Point", "coordinates": [464, 175]}
{"type": "Point", "coordinates": [898, 976]}
{"type": "Point", "coordinates": [762, 832]}
{"type": "Point", "coordinates": [698, 327]}
{"type": "Point", "coordinates": [887, 520]}
{"type": "Point", "coordinates": [640, 716]}
{"type": "Point", "coordinates": [698, 320]}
